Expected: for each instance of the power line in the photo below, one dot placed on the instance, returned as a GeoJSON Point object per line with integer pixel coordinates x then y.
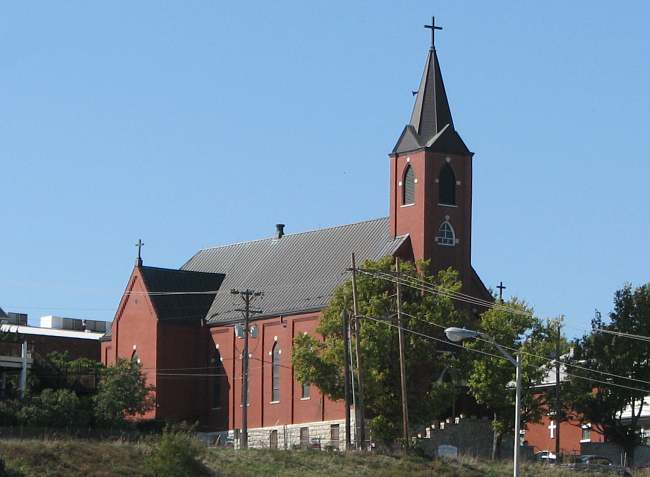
{"type": "Point", "coordinates": [423, 287]}
{"type": "Point", "coordinates": [549, 360]}
{"type": "Point", "coordinates": [423, 335]}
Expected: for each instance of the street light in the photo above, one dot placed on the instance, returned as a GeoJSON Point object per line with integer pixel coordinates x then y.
{"type": "Point", "coordinates": [459, 334]}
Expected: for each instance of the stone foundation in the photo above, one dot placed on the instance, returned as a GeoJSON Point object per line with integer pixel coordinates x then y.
{"type": "Point", "coordinates": [317, 435]}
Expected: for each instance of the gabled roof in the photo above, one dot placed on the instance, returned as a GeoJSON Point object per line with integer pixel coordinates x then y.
{"type": "Point", "coordinates": [431, 124]}
{"type": "Point", "coordinates": [2, 313]}
{"type": "Point", "coordinates": [297, 273]}
{"type": "Point", "coordinates": [180, 294]}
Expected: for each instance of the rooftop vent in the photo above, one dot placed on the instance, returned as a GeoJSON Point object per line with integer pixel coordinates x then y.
{"type": "Point", "coordinates": [279, 231]}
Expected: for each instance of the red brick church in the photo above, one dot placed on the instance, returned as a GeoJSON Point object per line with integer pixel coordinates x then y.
{"type": "Point", "coordinates": [180, 324]}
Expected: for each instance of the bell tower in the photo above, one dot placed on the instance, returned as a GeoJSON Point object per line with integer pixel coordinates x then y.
{"type": "Point", "coordinates": [431, 182]}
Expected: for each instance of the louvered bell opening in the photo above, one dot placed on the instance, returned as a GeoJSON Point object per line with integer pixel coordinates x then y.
{"type": "Point", "coordinates": [409, 186]}
{"type": "Point", "coordinates": [447, 185]}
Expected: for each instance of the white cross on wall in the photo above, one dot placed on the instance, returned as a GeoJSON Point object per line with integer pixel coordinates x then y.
{"type": "Point", "coordinates": [552, 428]}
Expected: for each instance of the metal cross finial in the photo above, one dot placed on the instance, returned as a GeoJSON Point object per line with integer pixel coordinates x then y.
{"type": "Point", "coordinates": [139, 245]}
{"type": "Point", "coordinates": [433, 27]}
{"type": "Point", "coordinates": [501, 287]}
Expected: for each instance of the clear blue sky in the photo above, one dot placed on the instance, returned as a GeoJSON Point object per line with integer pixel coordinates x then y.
{"type": "Point", "coordinates": [191, 124]}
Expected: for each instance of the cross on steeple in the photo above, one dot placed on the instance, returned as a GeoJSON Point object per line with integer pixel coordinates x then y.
{"type": "Point", "coordinates": [138, 261]}
{"type": "Point", "coordinates": [501, 287]}
{"type": "Point", "coordinates": [433, 27]}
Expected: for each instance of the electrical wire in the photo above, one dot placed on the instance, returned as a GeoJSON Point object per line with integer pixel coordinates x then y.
{"type": "Point", "coordinates": [423, 335]}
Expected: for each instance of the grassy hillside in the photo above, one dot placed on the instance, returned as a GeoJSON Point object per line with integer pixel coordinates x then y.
{"type": "Point", "coordinates": [77, 458]}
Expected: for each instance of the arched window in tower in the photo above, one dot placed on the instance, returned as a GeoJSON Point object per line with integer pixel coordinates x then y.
{"type": "Point", "coordinates": [446, 235]}
{"type": "Point", "coordinates": [275, 373]}
{"type": "Point", "coordinates": [408, 186]}
{"type": "Point", "coordinates": [447, 186]}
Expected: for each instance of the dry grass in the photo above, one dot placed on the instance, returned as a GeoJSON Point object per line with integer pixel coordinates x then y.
{"type": "Point", "coordinates": [82, 458]}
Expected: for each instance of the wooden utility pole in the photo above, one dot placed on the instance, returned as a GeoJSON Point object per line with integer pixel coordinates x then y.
{"type": "Point", "coordinates": [360, 411]}
{"type": "Point", "coordinates": [402, 364]}
{"type": "Point", "coordinates": [247, 296]}
{"type": "Point", "coordinates": [346, 370]}
{"type": "Point", "coordinates": [558, 404]}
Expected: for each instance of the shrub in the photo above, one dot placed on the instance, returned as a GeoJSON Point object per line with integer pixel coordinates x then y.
{"type": "Point", "coordinates": [54, 408]}
{"type": "Point", "coordinates": [177, 454]}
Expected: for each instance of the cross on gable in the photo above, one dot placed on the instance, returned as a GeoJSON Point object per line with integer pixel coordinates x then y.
{"type": "Point", "coordinates": [433, 27]}
{"type": "Point", "coordinates": [501, 287]}
{"type": "Point", "coordinates": [139, 245]}
{"type": "Point", "coordinates": [551, 428]}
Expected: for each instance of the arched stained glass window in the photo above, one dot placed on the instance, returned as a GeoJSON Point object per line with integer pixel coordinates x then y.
{"type": "Point", "coordinates": [447, 186]}
{"type": "Point", "coordinates": [275, 373]}
{"type": "Point", "coordinates": [446, 235]}
{"type": "Point", "coordinates": [408, 186]}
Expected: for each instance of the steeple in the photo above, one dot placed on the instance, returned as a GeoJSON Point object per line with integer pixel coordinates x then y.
{"type": "Point", "coordinates": [431, 125]}
{"type": "Point", "coordinates": [431, 112]}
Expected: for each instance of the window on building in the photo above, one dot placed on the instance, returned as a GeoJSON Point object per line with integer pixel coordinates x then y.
{"type": "Point", "coordinates": [408, 186]}
{"type": "Point", "coordinates": [217, 379]}
{"type": "Point", "coordinates": [275, 373]}
{"type": "Point", "coordinates": [334, 435]}
{"type": "Point", "coordinates": [446, 235]}
{"type": "Point", "coordinates": [273, 439]}
{"type": "Point", "coordinates": [304, 437]}
{"type": "Point", "coordinates": [306, 389]}
{"type": "Point", "coordinates": [586, 433]}
{"type": "Point", "coordinates": [447, 186]}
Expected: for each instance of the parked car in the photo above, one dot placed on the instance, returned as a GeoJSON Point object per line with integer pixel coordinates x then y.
{"type": "Point", "coordinates": [597, 464]}
{"type": "Point", "coordinates": [545, 456]}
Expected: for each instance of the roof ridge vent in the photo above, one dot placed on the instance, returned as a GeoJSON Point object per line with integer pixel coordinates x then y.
{"type": "Point", "coordinates": [279, 231]}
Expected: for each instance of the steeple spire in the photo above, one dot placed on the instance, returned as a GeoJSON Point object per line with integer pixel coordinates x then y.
{"type": "Point", "coordinates": [431, 112]}
{"type": "Point", "coordinates": [431, 124]}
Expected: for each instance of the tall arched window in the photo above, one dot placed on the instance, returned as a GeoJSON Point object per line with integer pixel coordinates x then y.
{"type": "Point", "coordinates": [408, 186]}
{"type": "Point", "coordinates": [217, 379]}
{"type": "Point", "coordinates": [447, 186]}
{"type": "Point", "coordinates": [275, 373]}
{"type": "Point", "coordinates": [446, 235]}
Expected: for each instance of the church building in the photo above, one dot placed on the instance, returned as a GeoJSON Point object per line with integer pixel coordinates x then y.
{"type": "Point", "coordinates": [182, 324]}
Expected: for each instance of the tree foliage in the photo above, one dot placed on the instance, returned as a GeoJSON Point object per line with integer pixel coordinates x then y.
{"type": "Point", "coordinates": [614, 411]}
{"type": "Point", "coordinates": [491, 378]}
{"type": "Point", "coordinates": [66, 393]}
{"type": "Point", "coordinates": [321, 361]}
{"type": "Point", "coordinates": [122, 392]}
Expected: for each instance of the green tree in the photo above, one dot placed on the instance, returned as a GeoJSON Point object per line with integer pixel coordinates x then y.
{"type": "Point", "coordinates": [122, 392]}
{"type": "Point", "coordinates": [321, 361]}
{"type": "Point", "coordinates": [54, 408]}
{"type": "Point", "coordinates": [611, 410]}
{"type": "Point", "coordinates": [59, 371]}
{"type": "Point", "coordinates": [491, 378]}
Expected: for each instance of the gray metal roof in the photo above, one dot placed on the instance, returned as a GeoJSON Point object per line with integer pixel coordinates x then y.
{"type": "Point", "coordinates": [297, 272]}
{"type": "Point", "coordinates": [2, 313]}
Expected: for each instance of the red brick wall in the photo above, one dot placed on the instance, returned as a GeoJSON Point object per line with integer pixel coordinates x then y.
{"type": "Point", "coordinates": [182, 368]}
{"type": "Point", "coordinates": [135, 329]}
{"type": "Point", "coordinates": [76, 347]}
{"type": "Point", "coordinates": [422, 219]}
{"type": "Point", "coordinates": [291, 408]}
{"type": "Point", "coordinates": [538, 436]}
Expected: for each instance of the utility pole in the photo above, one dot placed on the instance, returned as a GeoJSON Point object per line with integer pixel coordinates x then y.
{"type": "Point", "coordinates": [360, 410]}
{"type": "Point", "coordinates": [247, 297]}
{"type": "Point", "coordinates": [23, 370]}
{"type": "Point", "coordinates": [402, 364]}
{"type": "Point", "coordinates": [558, 404]}
{"type": "Point", "coordinates": [346, 351]}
